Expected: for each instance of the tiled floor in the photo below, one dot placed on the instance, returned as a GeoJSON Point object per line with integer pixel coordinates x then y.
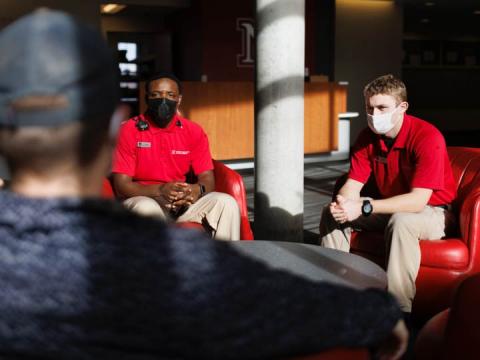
{"type": "Point", "coordinates": [319, 181]}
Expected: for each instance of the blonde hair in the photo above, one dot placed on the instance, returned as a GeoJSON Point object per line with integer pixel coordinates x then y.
{"type": "Point", "coordinates": [386, 85]}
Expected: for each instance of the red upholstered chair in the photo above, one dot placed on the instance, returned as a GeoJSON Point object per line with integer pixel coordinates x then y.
{"type": "Point", "coordinates": [107, 190]}
{"type": "Point", "coordinates": [445, 262]}
{"type": "Point", "coordinates": [454, 333]}
{"type": "Point", "coordinates": [227, 181]}
{"type": "Point", "coordinates": [231, 182]}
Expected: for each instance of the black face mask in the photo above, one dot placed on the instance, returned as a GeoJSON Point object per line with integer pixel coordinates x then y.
{"type": "Point", "coordinates": [161, 110]}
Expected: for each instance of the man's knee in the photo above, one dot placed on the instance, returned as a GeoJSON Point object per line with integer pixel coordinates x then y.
{"type": "Point", "coordinates": [326, 213]}
{"type": "Point", "coordinates": [144, 205]}
{"type": "Point", "coordinates": [225, 200]}
{"type": "Point", "coordinates": [326, 219]}
{"type": "Point", "coordinates": [405, 225]}
{"type": "Point", "coordinates": [401, 220]}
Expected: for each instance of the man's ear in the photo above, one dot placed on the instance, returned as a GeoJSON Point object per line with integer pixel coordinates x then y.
{"type": "Point", "coordinates": [404, 105]}
{"type": "Point", "coordinates": [179, 100]}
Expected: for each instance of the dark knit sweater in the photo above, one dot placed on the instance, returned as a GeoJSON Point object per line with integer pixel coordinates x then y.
{"type": "Point", "coordinates": [85, 279]}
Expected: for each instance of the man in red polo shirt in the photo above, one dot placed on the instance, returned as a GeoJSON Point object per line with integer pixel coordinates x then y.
{"type": "Point", "coordinates": [155, 152]}
{"type": "Point", "coordinates": [408, 159]}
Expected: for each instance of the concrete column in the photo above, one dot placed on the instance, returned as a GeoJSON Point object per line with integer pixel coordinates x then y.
{"type": "Point", "coordinates": [279, 111]}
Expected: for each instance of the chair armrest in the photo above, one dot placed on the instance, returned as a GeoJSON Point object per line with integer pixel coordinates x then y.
{"type": "Point", "coordinates": [462, 334]}
{"type": "Point", "coordinates": [469, 225]}
{"type": "Point", "coordinates": [107, 189]}
{"type": "Point", "coordinates": [230, 182]}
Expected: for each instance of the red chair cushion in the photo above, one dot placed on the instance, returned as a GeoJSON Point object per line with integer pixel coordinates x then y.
{"type": "Point", "coordinates": [451, 253]}
{"type": "Point", "coordinates": [190, 225]}
{"type": "Point", "coordinates": [445, 254]}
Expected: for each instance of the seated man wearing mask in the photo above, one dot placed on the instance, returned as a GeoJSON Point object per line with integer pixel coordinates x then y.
{"type": "Point", "coordinates": [83, 278]}
{"type": "Point", "coordinates": [154, 154]}
{"type": "Point", "coordinates": [408, 159]}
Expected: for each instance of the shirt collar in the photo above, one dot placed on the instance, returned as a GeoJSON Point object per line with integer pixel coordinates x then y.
{"type": "Point", "coordinates": [172, 127]}
{"type": "Point", "coordinates": [402, 136]}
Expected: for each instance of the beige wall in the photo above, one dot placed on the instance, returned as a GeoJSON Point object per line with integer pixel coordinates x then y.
{"type": "Point", "coordinates": [87, 10]}
{"type": "Point", "coordinates": [368, 43]}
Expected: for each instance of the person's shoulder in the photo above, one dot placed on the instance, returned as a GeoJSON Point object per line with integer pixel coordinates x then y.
{"type": "Point", "coordinates": [190, 125]}
{"type": "Point", "coordinates": [424, 128]}
{"type": "Point", "coordinates": [132, 122]}
{"type": "Point", "coordinates": [424, 136]}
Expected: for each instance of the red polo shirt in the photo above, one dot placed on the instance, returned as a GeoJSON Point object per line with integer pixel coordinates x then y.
{"type": "Point", "coordinates": [417, 159]}
{"type": "Point", "coordinates": [158, 155]}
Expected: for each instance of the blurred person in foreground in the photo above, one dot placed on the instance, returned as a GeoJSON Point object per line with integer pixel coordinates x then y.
{"type": "Point", "coordinates": [84, 278]}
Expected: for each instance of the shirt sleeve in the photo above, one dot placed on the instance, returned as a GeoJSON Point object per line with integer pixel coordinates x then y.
{"type": "Point", "coordinates": [360, 166]}
{"type": "Point", "coordinates": [430, 157]}
{"type": "Point", "coordinates": [201, 157]}
{"type": "Point", "coordinates": [125, 155]}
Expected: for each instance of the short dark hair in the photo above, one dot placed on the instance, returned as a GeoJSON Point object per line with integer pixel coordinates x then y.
{"type": "Point", "coordinates": [41, 148]}
{"type": "Point", "coordinates": [163, 75]}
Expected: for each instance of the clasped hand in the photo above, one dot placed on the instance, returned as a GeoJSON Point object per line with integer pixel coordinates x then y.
{"type": "Point", "coordinates": [344, 210]}
{"type": "Point", "coordinates": [176, 195]}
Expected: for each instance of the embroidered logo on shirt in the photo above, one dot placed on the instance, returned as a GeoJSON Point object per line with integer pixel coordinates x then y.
{"type": "Point", "coordinates": [144, 144]}
{"type": "Point", "coordinates": [180, 152]}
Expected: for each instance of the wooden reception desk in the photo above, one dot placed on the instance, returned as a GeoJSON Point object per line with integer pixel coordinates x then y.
{"type": "Point", "coordinates": [226, 113]}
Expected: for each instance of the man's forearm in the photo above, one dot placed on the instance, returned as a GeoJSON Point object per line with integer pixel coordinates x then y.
{"type": "Point", "coordinates": [351, 195]}
{"type": "Point", "coordinates": [409, 202]}
{"type": "Point", "coordinates": [351, 189]}
{"type": "Point", "coordinates": [126, 190]}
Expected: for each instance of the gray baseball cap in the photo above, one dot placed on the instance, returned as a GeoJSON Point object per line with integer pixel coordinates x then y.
{"type": "Point", "coordinates": [54, 70]}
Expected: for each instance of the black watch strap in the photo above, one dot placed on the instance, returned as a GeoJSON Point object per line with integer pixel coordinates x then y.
{"type": "Point", "coordinates": [202, 190]}
{"type": "Point", "coordinates": [367, 208]}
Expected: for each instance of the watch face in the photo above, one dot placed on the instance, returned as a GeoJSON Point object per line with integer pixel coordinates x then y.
{"type": "Point", "coordinates": [367, 208]}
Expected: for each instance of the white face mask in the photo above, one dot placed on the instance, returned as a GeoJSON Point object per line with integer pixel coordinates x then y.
{"type": "Point", "coordinates": [381, 124]}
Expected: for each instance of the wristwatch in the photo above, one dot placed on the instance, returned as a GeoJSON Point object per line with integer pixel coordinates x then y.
{"type": "Point", "coordinates": [202, 190]}
{"type": "Point", "coordinates": [367, 208]}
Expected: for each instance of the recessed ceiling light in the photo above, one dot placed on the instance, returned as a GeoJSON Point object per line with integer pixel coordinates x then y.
{"type": "Point", "coordinates": [429, 3]}
{"type": "Point", "coordinates": [111, 8]}
{"type": "Point", "coordinates": [425, 21]}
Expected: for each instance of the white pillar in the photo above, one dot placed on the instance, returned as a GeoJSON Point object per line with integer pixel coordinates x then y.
{"type": "Point", "coordinates": [279, 113]}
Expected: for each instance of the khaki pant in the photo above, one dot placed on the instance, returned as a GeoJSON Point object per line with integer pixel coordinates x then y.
{"type": "Point", "coordinates": [402, 233]}
{"type": "Point", "coordinates": [219, 210]}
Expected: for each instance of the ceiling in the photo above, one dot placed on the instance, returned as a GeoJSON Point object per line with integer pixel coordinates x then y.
{"type": "Point", "coordinates": [443, 19]}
